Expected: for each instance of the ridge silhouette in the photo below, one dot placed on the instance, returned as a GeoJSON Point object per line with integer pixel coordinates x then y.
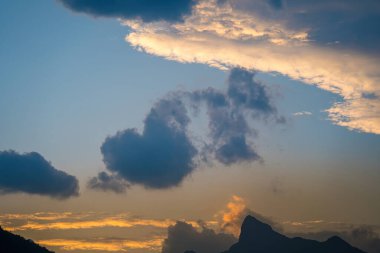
{"type": "Point", "coordinates": [11, 243]}
{"type": "Point", "coordinates": [259, 237]}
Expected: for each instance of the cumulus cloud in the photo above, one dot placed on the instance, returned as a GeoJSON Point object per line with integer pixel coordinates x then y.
{"type": "Point", "coordinates": [183, 236]}
{"type": "Point", "coordinates": [164, 154]}
{"type": "Point", "coordinates": [161, 156]}
{"type": "Point", "coordinates": [256, 36]}
{"type": "Point", "coordinates": [147, 10]}
{"type": "Point", "coordinates": [31, 173]}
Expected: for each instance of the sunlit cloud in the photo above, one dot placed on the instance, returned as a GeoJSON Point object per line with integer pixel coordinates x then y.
{"type": "Point", "coordinates": [106, 222]}
{"type": "Point", "coordinates": [224, 37]}
{"type": "Point", "coordinates": [50, 216]}
{"type": "Point", "coordinates": [232, 216]}
{"type": "Point", "coordinates": [76, 221]}
{"type": "Point", "coordinates": [102, 244]}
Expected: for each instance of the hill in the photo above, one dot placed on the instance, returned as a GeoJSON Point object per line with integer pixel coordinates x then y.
{"type": "Point", "coordinates": [11, 243]}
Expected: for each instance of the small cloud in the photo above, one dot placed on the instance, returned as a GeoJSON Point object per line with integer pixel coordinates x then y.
{"type": "Point", "coordinates": [303, 113]}
{"type": "Point", "coordinates": [107, 182]}
{"type": "Point", "coordinates": [369, 95]}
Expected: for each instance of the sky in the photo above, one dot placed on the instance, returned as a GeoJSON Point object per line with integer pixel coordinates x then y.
{"type": "Point", "coordinates": [119, 118]}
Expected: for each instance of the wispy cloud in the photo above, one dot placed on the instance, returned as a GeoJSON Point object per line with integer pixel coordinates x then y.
{"type": "Point", "coordinates": [76, 221]}
{"type": "Point", "coordinates": [303, 113]}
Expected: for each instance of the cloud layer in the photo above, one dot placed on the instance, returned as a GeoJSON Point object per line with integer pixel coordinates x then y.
{"type": "Point", "coordinates": [147, 10]}
{"type": "Point", "coordinates": [256, 36]}
{"type": "Point", "coordinates": [31, 173]}
{"type": "Point", "coordinates": [102, 244]}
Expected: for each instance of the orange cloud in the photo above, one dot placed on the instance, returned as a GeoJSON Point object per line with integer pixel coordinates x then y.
{"type": "Point", "coordinates": [231, 218]}
{"type": "Point", "coordinates": [67, 220]}
{"type": "Point", "coordinates": [106, 222]}
{"type": "Point", "coordinates": [107, 245]}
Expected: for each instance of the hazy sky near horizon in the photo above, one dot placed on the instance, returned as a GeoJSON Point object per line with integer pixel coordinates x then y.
{"type": "Point", "coordinates": [161, 115]}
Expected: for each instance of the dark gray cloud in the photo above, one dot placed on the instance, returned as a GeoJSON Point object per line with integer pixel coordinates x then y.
{"type": "Point", "coordinates": [370, 95]}
{"type": "Point", "coordinates": [147, 10]}
{"type": "Point", "coordinates": [31, 173]}
{"type": "Point", "coordinates": [183, 236]}
{"type": "Point", "coordinates": [229, 112]}
{"type": "Point", "coordinates": [108, 182]}
{"type": "Point", "coordinates": [236, 149]}
{"type": "Point", "coordinates": [162, 156]}
{"type": "Point", "coordinates": [345, 24]}
{"type": "Point", "coordinates": [245, 92]}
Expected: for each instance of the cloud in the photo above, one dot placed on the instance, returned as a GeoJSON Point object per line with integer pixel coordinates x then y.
{"type": "Point", "coordinates": [232, 217]}
{"type": "Point", "coordinates": [254, 36]}
{"type": "Point", "coordinates": [31, 173]}
{"type": "Point", "coordinates": [105, 182]}
{"type": "Point", "coordinates": [245, 92]}
{"type": "Point", "coordinates": [111, 221]}
{"type": "Point", "coordinates": [162, 156]}
{"type": "Point", "coordinates": [303, 113]}
{"type": "Point", "coordinates": [183, 236]}
{"type": "Point", "coordinates": [147, 10]}
{"type": "Point", "coordinates": [41, 216]}
{"type": "Point", "coordinates": [229, 112]}
{"type": "Point", "coordinates": [87, 220]}
{"type": "Point", "coordinates": [341, 24]}
{"type": "Point", "coordinates": [102, 244]}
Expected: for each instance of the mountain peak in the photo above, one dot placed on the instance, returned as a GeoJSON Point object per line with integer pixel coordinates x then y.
{"type": "Point", "coordinates": [252, 226]}
{"type": "Point", "coordinates": [257, 236]}
{"type": "Point", "coordinates": [254, 229]}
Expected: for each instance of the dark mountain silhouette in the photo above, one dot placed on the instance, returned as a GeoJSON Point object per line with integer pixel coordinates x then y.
{"type": "Point", "coordinates": [258, 237]}
{"type": "Point", "coordinates": [10, 243]}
